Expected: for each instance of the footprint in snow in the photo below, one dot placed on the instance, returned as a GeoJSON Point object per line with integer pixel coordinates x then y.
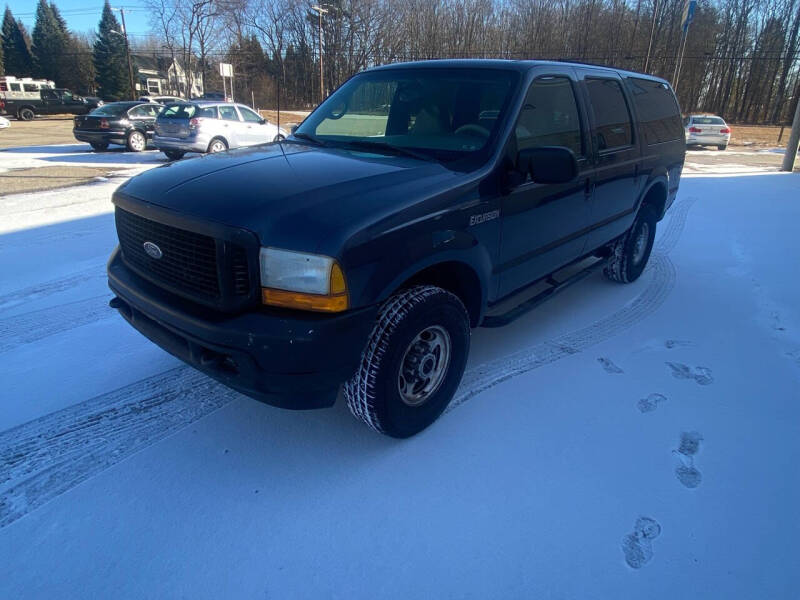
{"type": "Point", "coordinates": [637, 547]}
{"type": "Point", "coordinates": [701, 375]}
{"type": "Point", "coordinates": [650, 403]}
{"type": "Point", "coordinates": [609, 366]}
{"type": "Point", "coordinates": [686, 472]}
{"type": "Point", "coordinates": [670, 344]}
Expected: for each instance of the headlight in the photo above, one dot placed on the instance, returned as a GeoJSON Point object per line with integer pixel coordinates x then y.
{"type": "Point", "coordinates": [302, 281]}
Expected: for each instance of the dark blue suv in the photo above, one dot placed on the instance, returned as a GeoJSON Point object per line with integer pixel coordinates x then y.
{"type": "Point", "coordinates": [357, 254]}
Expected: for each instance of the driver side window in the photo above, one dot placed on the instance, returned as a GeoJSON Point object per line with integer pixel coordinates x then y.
{"type": "Point", "coordinates": [249, 116]}
{"type": "Point", "coordinates": [550, 116]}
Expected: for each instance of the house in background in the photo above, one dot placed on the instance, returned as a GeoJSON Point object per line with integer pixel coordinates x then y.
{"type": "Point", "coordinates": [163, 76]}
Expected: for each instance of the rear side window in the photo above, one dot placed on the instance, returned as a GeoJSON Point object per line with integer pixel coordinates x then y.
{"type": "Point", "coordinates": [228, 113]}
{"type": "Point", "coordinates": [209, 112]}
{"type": "Point", "coordinates": [657, 109]}
{"type": "Point", "coordinates": [611, 116]}
{"type": "Point", "coordinates": [550, 116]}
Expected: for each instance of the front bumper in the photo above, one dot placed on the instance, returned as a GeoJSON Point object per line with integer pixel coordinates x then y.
{"type": "Point", "coordinates": [283, 358]}
{"type": "Point", "coordinates": [99, 137]}
{"type": "Point", "coordinates": [193, 144]}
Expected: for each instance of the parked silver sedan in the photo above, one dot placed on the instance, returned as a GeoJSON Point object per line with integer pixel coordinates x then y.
{"type": "Point", "coordinates": [200, 126]}
{"type": "Point", "coordinates": [707, 130]}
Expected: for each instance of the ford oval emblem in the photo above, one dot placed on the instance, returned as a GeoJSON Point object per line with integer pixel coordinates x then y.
{"type": "Point", "coordinates": [152, 250]}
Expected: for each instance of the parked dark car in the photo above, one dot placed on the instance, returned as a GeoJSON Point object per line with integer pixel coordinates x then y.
{"type": "Point", "coordinates": [129, 124]}
{"type": "Point", "coordinates": [418, 201]}
{"type": "Point", "coordinates": [56, 101]}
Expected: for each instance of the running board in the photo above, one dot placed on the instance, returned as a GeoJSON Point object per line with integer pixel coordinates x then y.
{"type": "Point", "coordinates": [555, 287]}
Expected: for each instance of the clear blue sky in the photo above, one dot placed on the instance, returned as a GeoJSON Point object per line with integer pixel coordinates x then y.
{"type": "Point", "coordinates": [83, 15]}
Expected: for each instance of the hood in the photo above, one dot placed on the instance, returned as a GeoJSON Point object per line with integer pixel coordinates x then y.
{"type": "Point", "coordinates": [292, 196]}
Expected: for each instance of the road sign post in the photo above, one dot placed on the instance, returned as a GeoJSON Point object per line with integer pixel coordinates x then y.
{"type": "Point", "coordinates": [226, 70]}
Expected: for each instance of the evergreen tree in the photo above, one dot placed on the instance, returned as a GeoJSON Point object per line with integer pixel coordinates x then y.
{"type": "Point", "coordinates": [16, 53]}
{"type": "Point", "coordinates": [49, 43]}
{"type": "Point", "coordinates": [2, 57]}
{"type": "Point", "coordinates": [110, 61]}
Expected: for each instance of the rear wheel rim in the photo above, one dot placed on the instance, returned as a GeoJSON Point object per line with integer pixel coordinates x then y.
{"type": "Point", "coordinates": [424, 365]}
{"type": "Point", "coordinates": [217, 146]}
{"type": "Point", "coordinates": [137, 141]}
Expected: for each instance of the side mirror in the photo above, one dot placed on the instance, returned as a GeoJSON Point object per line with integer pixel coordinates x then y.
{"type": "Point", "coordinates": [293, 128]}
{"type": "Point", "coordinates": [548, 164]}
{"type": "Point", "coordinates": [262, 121]}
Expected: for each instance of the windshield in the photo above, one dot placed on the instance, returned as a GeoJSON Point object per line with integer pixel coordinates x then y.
{"type": "Point", "coordinates": [442, 113]}
{"type": "Point", "coordinates": [110, 110]}
{"type": "Point", "coordinates": [178, 111]}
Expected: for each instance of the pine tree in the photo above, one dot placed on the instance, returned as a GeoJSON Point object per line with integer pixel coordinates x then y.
{"type": "Point", "coordinates": [110, 60]}
{"type": "Point", "coordinates": [2, 57]}
{"type": "Point", "coordinates": [49, 43]}
{"type": "Point", "coordinates": [15, 47]}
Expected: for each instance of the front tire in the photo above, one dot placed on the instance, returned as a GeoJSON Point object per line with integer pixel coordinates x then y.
{"type": "Point", "coordinates": [136, 141]}
{"type": "Point", "coordinates": [631, 251]}
{"type": "Point", "coordinates": [413, 362]}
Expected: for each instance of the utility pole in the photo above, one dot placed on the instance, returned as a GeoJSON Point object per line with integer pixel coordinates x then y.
{"type": "Point", "coordinates": [688, 17]}
{"type": "Point", "coordinates": [794, 139]}
{"type": "Point", "coordinates": [127, 53]}
{"type": "Point", "coordinates": [652, 33]}
{"type": "Point", "coordinates": [320, 11]}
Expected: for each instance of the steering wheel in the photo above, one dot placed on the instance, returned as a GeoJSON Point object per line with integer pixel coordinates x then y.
{"type": "Point", "coordinates": [473, 129]}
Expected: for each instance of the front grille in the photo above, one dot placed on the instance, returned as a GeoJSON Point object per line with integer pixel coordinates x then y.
{"type": "Point", "coordinates": [189, 261]}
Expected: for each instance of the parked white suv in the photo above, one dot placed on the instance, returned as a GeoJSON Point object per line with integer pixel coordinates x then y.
{"type": "Point", "coordinates": [706, 130]}
{"type": "Point", "coordinates": [183, 127]}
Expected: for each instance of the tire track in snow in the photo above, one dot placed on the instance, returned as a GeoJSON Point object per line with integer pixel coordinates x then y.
{"type": "Point", "coordinates": [489, 374]}
{"type": "Point", "coordinates": [39, 324]}
{"type": "Point", "coordinates": [48, 288]}
{"type": "Point", "coordinates": [44, 458]}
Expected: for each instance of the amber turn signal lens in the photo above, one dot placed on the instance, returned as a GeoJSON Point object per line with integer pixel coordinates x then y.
{"type": "Point", "coordinates": [300, 301]}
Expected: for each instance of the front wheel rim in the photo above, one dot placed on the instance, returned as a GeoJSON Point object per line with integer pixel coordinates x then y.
{"type": "Point", "coordinates": [424, 365]}
{"type": "Point", "coordinates": [137, 141]}
{"type": "Point", "coordinates": [640, 244]}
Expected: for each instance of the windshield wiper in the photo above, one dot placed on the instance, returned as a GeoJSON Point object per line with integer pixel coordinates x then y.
{"type": "Point", "coordinates": [386, 147]}
{"type": "Point", "coordinates": [309, 138]}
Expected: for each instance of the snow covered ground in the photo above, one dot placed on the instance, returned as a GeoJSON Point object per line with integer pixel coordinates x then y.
{"type": "Point", "coordinates": [633, 441]}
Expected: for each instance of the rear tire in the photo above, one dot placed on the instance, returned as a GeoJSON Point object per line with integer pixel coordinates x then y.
{"type": "Point", "coordinates": [136, 141]}
{"type": "Point", "coordinates": [631, 251]}
{"type": "Point", "coordinates": [722, 147]}
{"type": "Point", "coordinates": [174, 154]}
{"type": "Point", "coordinates": [99, 146]}
{"type": "Point", "coordinates": [26, 114]}
{"type": "Point", "coordinates": [278, 138]}
{"type": "Point", "coordinates": [412, 363]}
{"type": "Point", "coordinates": [217, 145]}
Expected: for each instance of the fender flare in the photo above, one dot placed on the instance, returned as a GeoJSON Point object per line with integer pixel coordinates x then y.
{"type": "Point", "coordinates": [475, 259]}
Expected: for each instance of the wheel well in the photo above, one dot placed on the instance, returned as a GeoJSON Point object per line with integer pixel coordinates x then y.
{"type": "Point", "coordinates": [455, 277]}
{"type": "Point", "coordinates": [656, 197]}
{"type": "Point", "coordinates": [220, 138]}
